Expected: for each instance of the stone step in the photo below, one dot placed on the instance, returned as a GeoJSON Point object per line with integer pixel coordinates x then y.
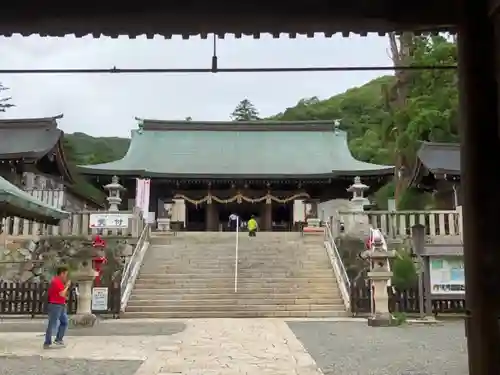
{"type": "Point", "coordinates": [227, 308]}
{"type": "Point", "coordinates": [149, 268]}
{"type": "Point", "coordinates": [255, 287]}
{"type": "Point", "coordinates": [232, 301]}
{"type": "Point", "coordinates": [234, 314]}
{"type": "Point", "coordinates": [262, 274]}
{"type": "Point", "coordinates": [292, 258]}
{"type": "Point", "coordinates": [151, 263]}
{"type": "Point", "coordinates": [244, 264]}
{"type": "Point", "coordinates": [251, 282]}
{"type": "Point", "coordinates": [159, 293]}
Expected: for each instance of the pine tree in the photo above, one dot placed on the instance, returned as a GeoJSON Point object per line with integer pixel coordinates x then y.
{"type": "Point", "coordinates": [245, 111]}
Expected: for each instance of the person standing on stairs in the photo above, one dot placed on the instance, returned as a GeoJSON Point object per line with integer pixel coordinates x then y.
{"type": "Point", "coordinates": [233, 222]}
{"type": "Point", "coordinates": [252, 227]}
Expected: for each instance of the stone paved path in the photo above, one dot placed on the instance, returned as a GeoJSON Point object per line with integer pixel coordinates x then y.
{"type": "Point", "coordinates": [205, 347]}
{"type": "Point", "coordinates": [238, 346]}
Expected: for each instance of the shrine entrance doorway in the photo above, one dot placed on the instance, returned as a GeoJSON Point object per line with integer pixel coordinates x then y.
{"type": "Point", "coordinates": [196, 217]}
{"type": "Point", "coordinates": [282, 216]}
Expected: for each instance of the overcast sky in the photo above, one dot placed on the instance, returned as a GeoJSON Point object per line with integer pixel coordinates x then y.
{"type": "Point", "coordinates": [105, 105]}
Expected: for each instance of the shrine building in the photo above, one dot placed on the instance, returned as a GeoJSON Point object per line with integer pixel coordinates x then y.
{"type": "Point", "coordinates": [203, 172]}
{"type": "Point", "coordinates": [437, 170]}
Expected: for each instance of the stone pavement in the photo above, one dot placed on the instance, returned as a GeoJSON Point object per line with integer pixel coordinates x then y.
{"type": "Point", "coordinates": [214, 346]}
{"type": "Point", "coordinates": [237, 346]}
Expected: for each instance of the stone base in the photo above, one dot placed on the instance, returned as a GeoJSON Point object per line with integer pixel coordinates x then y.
{"type": "Point", "coordinates": [82, 320]}
{"type": "Point", "coordinates": [381, 320]}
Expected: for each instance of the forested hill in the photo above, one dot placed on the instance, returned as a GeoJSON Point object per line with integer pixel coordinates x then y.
{"type": "Point", "coordinates": [359, 108]}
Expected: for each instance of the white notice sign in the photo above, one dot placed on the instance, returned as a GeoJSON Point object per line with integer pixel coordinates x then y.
{"type": "Point", "coordinates": [109, 220]}
{"type": "Point", "coordinates": [99, 299]}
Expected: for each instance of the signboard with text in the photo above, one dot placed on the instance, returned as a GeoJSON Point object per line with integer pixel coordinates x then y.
{"type": "Point", "coordinates": [109, 220]}
{"type": "Point", "coordinates": [447, 275]}
{"type": "Point", "coordinates": [99, 299]}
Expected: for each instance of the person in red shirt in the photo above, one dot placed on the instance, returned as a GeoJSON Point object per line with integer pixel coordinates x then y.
{"type": "Point", "coordinates": [56, 307]}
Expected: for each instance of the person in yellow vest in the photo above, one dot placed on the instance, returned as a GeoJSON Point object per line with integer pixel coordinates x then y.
{"type": "Point", "coordinates": [252, 227]}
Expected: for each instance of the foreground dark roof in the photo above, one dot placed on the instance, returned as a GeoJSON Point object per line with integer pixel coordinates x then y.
{"type": "Point", "coordinates": [435, 161]}
{"type": "Point", "coordinates": [256, 149]}
{"type": "Point", "coordinates": [200, 18]}
{"type": "Point", "coordinates": [30, 138]}
{"type": "Point", "coordinates": [440, 158]}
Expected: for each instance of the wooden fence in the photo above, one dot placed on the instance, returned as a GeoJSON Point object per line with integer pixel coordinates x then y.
{"type": "Point", "coordinates": [403, 301]}
{"type": "Point", "coordinates": [31, 299]}
{"type": "Point", "coordinates": [76, 225]}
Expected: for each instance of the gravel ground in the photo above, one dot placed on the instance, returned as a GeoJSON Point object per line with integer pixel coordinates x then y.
{"type": "Point", "coordinates": [103, 329]}
{"type": "Point", "coordinates": [356, 349]}
{"type": "Point", "coordinates": [36, 365]}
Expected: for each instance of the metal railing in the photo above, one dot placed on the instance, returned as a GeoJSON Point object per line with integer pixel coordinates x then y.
{"type": "Point", "coordinates": [338, 266]}
{"type": "Point", "coordinates": [133, 265]}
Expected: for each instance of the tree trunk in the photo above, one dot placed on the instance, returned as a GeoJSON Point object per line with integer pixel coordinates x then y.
{"type": "Point", "coordinates": [401, 53]}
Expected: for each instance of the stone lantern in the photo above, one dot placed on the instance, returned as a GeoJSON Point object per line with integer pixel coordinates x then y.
{"type": "Point", "coordinates": [379, 275]}
{"type": "Point", "coordinates": [114, 190]}
{"type": "Point", "coordinates": [85, 276]}
{"type": "Point", "coordinates": [358, 201]}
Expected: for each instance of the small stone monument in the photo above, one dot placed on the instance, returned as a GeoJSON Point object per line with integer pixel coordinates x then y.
{"type": "Point", "coordinates": [313, 222]}
{"type": "Point", "coordinates": [165, 219]}
{"type": "Point", "coordinates": [114, 190]}
{"type": "Point", "coordinates": [379, 276]}
{"type": "Point", "coordinates": [84, 277]}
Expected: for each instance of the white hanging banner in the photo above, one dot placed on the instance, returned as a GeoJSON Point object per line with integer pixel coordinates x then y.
{"type": "Point", "coordinates": [142, 194]}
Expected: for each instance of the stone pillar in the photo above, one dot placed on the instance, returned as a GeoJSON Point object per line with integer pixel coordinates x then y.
{"type": "Point", "coordinates": [480, 154]}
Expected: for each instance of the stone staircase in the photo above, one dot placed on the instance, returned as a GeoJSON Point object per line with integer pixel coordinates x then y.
{"type": "Point", "coordinates": [192, 275]}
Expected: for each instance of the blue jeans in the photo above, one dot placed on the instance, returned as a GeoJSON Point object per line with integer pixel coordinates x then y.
{"type": "Point", "coordinates": [56, 313]}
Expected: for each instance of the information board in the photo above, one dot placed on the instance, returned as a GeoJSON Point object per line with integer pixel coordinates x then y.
{"type": "Point", "coordinates": [447, 275]}
{"type": "Point", "coordinates": [99, 299]}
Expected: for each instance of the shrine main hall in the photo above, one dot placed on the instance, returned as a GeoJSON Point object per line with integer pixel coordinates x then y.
{"type": "Point", "coordinates": [205, 171]}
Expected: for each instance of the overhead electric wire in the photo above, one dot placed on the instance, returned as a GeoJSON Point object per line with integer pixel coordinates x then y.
{"type": "Point", "coordinates": [115, 70]}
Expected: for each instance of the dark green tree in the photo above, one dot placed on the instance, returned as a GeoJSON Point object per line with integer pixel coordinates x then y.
{"type": "Point", "coordinates": [245, 111]}
{"type": "Point", "coordinates": [5, 101]}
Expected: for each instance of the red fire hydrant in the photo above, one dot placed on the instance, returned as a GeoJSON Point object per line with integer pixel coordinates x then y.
{"type": "Point", "coordinates": [98, 261]}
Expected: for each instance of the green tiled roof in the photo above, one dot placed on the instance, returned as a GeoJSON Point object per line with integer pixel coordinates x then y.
{"type": "Point", "coordinates": [16, 202]}
{"type": "Point", "coordinates": [237, 149]}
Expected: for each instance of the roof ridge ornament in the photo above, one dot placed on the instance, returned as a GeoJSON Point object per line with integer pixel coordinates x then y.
{"type": "Point", "coordinates": [140, 125]}
{"type": "Point", "coordinates": [336, 126]}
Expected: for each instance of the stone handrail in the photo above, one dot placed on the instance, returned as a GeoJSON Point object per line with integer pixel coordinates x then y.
{"type": "Point", "coordinates": [338, 267]}
{"type": "Point", "coordinates": [397, 224]}
{"type": "Point", "coordinates": [133, 266]}
{"type": "Point", "coordinates": [77, 225]}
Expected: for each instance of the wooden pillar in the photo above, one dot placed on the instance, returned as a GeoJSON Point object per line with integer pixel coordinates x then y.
{"type": "Point", "coordinates": [211, 218]}
{"type": "Point", "coordinates": [266, 217]}
{"type": "Point", "coordinates": [268, 214]}
{"type": "Point", "coordinates": [480, 155]}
